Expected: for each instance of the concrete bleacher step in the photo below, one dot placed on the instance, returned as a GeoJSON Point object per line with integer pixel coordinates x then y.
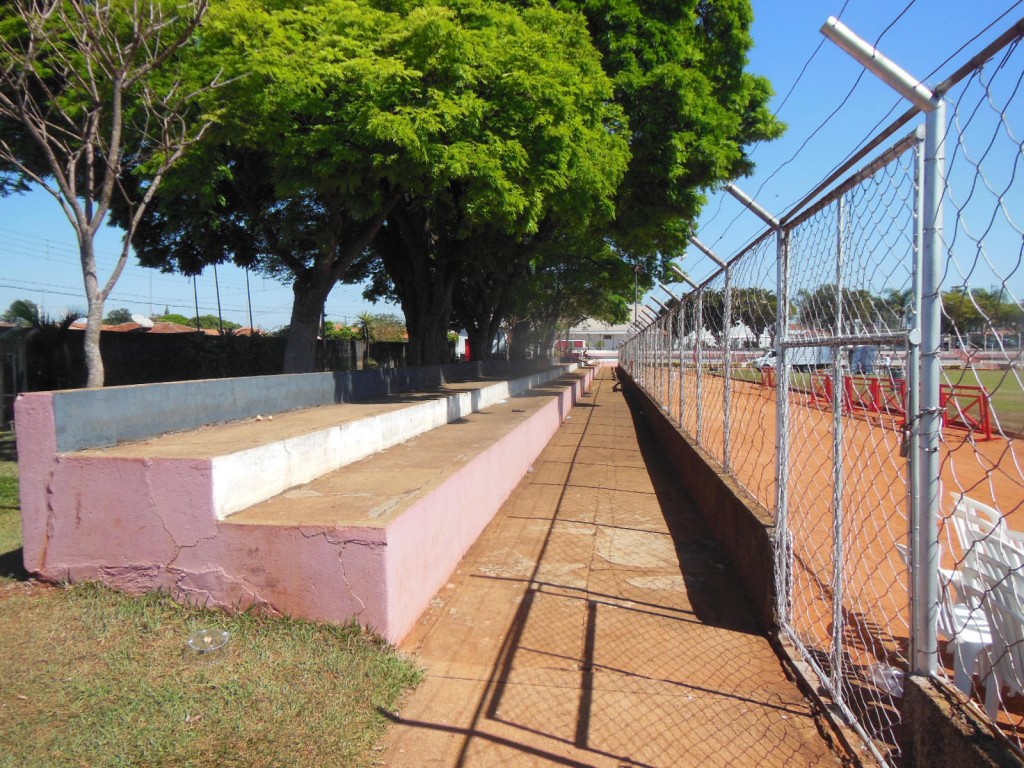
{"type": "Point", "coordinates": [359, 510]}
{"type": "Point", "coordinates": [247, 465]}
{"type": "Point", "coordinates": [380, 536]}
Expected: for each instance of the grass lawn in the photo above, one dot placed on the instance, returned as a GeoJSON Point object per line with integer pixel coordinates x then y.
{"type": "Point", "coordinates": [93, 677]}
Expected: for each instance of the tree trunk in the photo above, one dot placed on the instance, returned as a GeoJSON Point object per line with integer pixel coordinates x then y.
{"type": "Point", "coordinates": [427, 319]}
{"type": "Point", "coordinates": [424, 279]}
{"type": "Point", "coordinates": [95, 373]}
{"type": "Point", "coordinates": [94, 317]}
{"type": "Point", "coordinates": [307, 308]}
{"type": "Point", "coordinates": [314, 284]}
{"type": "Point", "coordinates": [479, 343]}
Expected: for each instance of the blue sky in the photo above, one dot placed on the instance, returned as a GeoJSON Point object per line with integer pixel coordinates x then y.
{"type": "Point", "coordinates": [38, 258]}
{"type": "Point", "coordinates": [787, 40]}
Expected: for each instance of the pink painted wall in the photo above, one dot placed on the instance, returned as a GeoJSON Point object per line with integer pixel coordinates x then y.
{"type": "Point", "coordinates": [146, 524]}
{"type": "Point", "coordinates": [427, 542]}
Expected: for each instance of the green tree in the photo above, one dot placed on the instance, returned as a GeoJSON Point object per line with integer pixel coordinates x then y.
{"type": "Point", "coordinates": [461, 115]}
{"type": "Point", "coordinates": [679, 74]}
{"type": "Point", "coordinates": [688, 108]}
{"type": "Point", "coordinates": [820, 309]}
{"type": "Point", "coordinates": [19, 310]}
{"type": "Point", "coordinates": [967, 310]}
{"type": "Point", "coordinates": [47, 340]}
{"type": "Point", "coordinates": [755, 308]}
{"type": "Point", "coordinates": [212, 322]}
{"type": "Point", "coordinates": [174, 318]}
{"type": "Point", "coordinates": [564, 286]}
{"type": "Point", "coordinates": [118, 316]}
{"type": "Point", "coordinates": [553, 144]}
{"type": "Point", "coordinates": [290, 181]}
{"type": "Point", "coordinates": [86, 89]}
{"type": "Point", "coordinates": [336, 332]}
{"type": "Point", "coordinates": [387, 327]}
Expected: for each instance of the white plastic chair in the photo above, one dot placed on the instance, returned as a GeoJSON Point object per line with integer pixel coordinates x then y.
{"type": "Point", "coordinates": [962, 622]}
{"type": "Point", "coordinates": [977, 524]}
{"type": "Point", "coordinates": [1002, 596]}
{"type": "Point", "coordinates": [974, 521]}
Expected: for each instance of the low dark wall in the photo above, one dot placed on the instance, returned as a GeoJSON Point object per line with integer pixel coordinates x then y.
{"type": "Point", "coordinates": [56, 360]}
{"type": "Point", "coordinates": [936, 729]}
{"type": "Point", "coordinates": [741, 526]}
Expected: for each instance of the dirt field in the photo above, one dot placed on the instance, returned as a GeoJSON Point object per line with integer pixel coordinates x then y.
{"type": "Point", "coordinates": [873, 492]}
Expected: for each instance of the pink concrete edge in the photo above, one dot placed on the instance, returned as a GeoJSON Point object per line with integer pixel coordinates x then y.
{"type": "Point", "coordinates": [36, 438]}
{"type": "Point", "coordinates": [427, 542]}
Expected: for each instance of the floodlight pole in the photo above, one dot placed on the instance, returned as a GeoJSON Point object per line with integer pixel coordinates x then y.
{"type": "Point", "coordinates": [926, 421]}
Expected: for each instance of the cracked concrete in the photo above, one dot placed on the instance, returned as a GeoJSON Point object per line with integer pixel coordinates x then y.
{"type": "Point", "coordinates": [373, 540]}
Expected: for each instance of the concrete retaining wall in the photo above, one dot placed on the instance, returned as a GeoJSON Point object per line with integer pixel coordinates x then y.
{"type": "Point", "coordinates": [940, 731]}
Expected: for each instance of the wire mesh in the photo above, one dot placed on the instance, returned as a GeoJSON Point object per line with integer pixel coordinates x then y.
{"type": "Point", "coordinates": [850, 279]}
{"type": "Point", "coordinates": [752, 411]}
{"type": "Point", "coordinates": [981, 625]}
{"type": "Point", "coordinates": [851, 376]}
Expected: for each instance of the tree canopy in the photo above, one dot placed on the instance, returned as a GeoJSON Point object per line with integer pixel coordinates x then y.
{"type": "Point", "coordinates": [355, 115]}
{"type": "Point", "coordinates": [457, 153]}
{"type": "Point", "coordinates": [118, 316]}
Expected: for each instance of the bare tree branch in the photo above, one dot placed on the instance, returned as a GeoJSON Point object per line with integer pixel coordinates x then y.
{"type": "Point", "coordinates": [68, 83]}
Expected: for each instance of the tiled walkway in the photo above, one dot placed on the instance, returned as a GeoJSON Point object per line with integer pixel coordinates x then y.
{"type": "Point", "coordinates": [594, 624]}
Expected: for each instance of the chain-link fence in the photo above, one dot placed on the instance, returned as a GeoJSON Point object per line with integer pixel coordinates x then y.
{"type": "Point", "coordinates": [858, 369]}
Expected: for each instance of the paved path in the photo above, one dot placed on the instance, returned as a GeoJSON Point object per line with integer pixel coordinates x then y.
{"type": "Point", "coordinates": [594, 624]}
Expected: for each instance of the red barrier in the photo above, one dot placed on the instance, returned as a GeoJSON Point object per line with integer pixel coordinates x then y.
{"type": "Point", "coordinates": [966, 407]}
{"type": "Point", "coordinates": [892, 395]}
{"type": "Point", "coordinates": [822, 389]}
{"type": "Point", "coordinates": [861, 393]}
{"type": "Point", "coordinates": [963, 407]}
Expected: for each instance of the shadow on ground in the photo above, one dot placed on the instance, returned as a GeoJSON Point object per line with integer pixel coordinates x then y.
{"type": "Point", "coordinates": [12, 565]}
{"type": "Point", "coordinates": [595, 623]}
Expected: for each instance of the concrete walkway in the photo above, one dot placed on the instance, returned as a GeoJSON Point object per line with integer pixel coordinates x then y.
{"type": "Point", "coordinates": [595, 624]}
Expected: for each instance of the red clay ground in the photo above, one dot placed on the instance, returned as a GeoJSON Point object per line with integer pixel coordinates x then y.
{"type": "Point", "coordinates": [595, 624]}
{"type": "Point", "coordinates": [875, 599]}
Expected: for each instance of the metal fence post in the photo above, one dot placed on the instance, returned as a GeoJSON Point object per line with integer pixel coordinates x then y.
{"type": "Point", "coordinates": [783, 544]}
{"type": "Point", "coordinates": [925, 545]}
{"type": "Point", "coordinates": [913, 372]}
{"type": "Point", "coordinates": [925, 603]}
{"type": "Point", "coordinates": [698, 334]}
{"type": "Point", "coordinates": [838, 581]}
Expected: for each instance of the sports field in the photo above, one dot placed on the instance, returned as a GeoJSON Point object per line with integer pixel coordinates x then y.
{"type": "Point", "coordinates": [871, 491]}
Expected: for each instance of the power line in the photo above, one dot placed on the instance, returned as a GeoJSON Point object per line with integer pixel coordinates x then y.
{"type": "Point", "coordinates": [849, 94]}
{"type": "Point", "coordinates": [873, 130]}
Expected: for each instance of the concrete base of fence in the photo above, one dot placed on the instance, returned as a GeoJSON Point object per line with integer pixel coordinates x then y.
{"type": "Point", "coordinates": [740, 525]}
{"type": "Point", "coordinates": [940, 730]}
